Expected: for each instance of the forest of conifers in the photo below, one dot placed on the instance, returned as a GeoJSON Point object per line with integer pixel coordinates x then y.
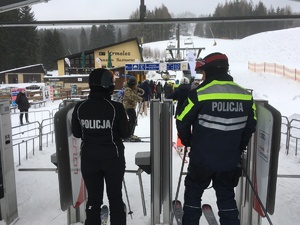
{"type": "Point", "coordinates": [22, 46]}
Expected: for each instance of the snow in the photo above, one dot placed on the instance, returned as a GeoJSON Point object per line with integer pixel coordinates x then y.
{"type": "Point", "coordinates": [38, 194]}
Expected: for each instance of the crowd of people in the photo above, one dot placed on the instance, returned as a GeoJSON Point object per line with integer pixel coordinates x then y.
{"type": "Point", "coordinates": [136, 97]}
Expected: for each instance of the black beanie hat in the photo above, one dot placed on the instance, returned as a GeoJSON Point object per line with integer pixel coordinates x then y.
{"type": "Point", "coordinates": [101, 80]}
{"type": "Point", "coordinates": [131, 81]}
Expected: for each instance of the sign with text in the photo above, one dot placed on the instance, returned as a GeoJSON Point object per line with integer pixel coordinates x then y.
{"type": "Point", "coordinates": [157, 66]}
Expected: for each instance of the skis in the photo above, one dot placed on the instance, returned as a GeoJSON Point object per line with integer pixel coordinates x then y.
{"type": "Point", "coordinates": [177, 211]}
{"type": "Point", "coordinates": [104, 214]}
{"type": "Point", "coordinates": [206, 210]}
{"type": "Point", "coordinates": [209, 214]}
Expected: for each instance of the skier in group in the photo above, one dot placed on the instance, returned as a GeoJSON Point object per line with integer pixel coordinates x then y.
{"type": "Point", "coordinates": [217, 122]}
{"type": "Point", "coordinates": [159, 90]}
{"type": "Point", "coordinates": [146, 97]}
{"type": "Point", "coordinates": [180, 94]}
{"type": "Point", "coordinates": [168, 89]}
{"type": "Point", "coordinates": [196, 81]}
{"type": "Point", "coordinates": [102, 124]}
{"type": "Point", "coordinates": [131, 98]}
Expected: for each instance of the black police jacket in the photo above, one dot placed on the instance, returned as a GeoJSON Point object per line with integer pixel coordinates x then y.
{"type": "Point", "coordinates": [101, 124]}
{"type": "Point", "coordinates": [217, 120]}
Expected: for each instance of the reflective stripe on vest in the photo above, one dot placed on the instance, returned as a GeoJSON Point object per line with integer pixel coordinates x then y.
{"type": "Point", "coordinates": [219, 90]}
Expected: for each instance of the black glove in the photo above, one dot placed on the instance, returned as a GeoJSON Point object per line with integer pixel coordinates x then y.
{"type": "Point", "coordinates": [186, 143]}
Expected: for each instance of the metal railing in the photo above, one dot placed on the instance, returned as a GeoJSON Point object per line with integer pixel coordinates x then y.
{"type": "Point", "coordinates": [32, 135]}
{"type": "Point", "coordinates": [292, 131]}
{"type": "Point", "coordinates": [285, 130]}
{"type": "Point", "coordinates": [295, 131]}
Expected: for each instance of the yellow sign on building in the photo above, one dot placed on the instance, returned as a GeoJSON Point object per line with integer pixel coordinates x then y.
{"type": "Point", "coordinates": [111, 56]}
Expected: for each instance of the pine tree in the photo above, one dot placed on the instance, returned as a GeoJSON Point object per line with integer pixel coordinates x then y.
{"type": "Point", "coordinates": [19, 45]}
{"type": "Point", "coordinates": [58, 47]}
{"type": "Point", "coordinates": [8, 39]}
{"type": "Point", "coordinates": [151, 32]}
{"type": "Point", "coordinates": [120, 37]}
{"type": "Point", "coordinates": [102, 38]}
{"type": "Point", "coordinates": [47, 53]}
{"type": "Point", "coordinates": [28, 39]}
{"type": "Point", "coordinates": [110, 35]}
{"type": "Point", "coordinates": [94, 37]}
{"type": "Point", "coordinates": [83, 40]}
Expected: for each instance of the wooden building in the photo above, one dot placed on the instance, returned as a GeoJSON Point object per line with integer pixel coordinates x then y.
{"type": "Point", "coordinates": [110, 56]}
{"type": "Point", "coordinates": [74, 69]}
{"type": "Point", "coordinates": [81, 81]}
{"type": "Point", "coordinates": [26, 74]}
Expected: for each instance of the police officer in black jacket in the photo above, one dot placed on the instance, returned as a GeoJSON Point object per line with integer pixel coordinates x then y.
{"type": "Point", "coordinates": [102, 124]}
{"type": "Point", "coordinates": [217, 122]}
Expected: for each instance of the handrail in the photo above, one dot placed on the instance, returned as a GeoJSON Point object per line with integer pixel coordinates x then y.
{"type": "Point", "coordinates": [285, 122]}
{"type": "Point", "coordinates": [295, 131]}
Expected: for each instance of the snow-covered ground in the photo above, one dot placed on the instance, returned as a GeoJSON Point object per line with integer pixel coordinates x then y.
{"type": "Point", "coordinates": [38, 194]}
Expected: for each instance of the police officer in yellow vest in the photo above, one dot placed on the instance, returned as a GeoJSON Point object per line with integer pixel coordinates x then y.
{"type": "Point", "coordinates": [217, 122]}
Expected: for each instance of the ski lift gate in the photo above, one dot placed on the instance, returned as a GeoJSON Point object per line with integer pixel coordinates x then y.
{"type": "Point", "coordinates": [260, 166]}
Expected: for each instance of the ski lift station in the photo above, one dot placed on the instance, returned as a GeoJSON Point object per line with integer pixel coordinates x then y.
{"type": "Point", "coordinates": [262, 156]}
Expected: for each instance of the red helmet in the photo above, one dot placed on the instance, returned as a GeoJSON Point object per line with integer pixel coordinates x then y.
{"type": "Point", "coordinates": [216, 59]}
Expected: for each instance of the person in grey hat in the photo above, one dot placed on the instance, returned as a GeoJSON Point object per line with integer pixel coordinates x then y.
{"type": "Point", "coordinates": [102, 124]}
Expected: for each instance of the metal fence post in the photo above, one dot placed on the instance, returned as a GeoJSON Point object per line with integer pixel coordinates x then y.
{"type": "Point", "coordinates": [166, 156]}
{"type": "Point", "coordinates": [155, 158]}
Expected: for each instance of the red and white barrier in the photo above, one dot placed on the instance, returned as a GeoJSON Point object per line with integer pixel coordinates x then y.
{"type": "Point", "coordinates": [273, 68]}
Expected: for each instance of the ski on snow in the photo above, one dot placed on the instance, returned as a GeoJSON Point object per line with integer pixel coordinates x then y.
{"type": "Point", "coordinates": [209, 214]}
{"type": "Point", "coordinates": [177, 211]}
{"type": "Point", "coordinates": [104, 214]}
{"type": "Point", "coordinates": [206, 210]}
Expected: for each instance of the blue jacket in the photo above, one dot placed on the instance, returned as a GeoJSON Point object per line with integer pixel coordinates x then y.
{"type": "Point", "coordinates": [147, 91]}
{"type": "Point", "coordinates": [218, 120]}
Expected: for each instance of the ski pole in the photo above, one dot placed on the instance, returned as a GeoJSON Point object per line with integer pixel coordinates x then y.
{"type": "Point", "coordinates": [130, 212]}
{"type": "Point", "coordinates": [180, 175]}
{"type": "Point", "coordinates": [179, 182]}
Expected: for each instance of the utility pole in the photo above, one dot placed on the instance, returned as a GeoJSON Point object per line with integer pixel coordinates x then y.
{"type": "Point", "coordinates": [142, 18]}
{"type": "Point", "coordinates": [178, 40]}
{"type": "Point", "coordinates": [142, 11]}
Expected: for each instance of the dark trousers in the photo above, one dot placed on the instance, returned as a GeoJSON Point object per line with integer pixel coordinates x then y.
{"type": "Point", "coordinates": [22, 111]}
{"type": "Point", "coordinates": [94, 173]}
{"type": "Point", "coordinates": [196, 181]}
{"type": "Point", "coordinates": [132, 119]}
{"type": "Point", "coordinates": [158, 95]}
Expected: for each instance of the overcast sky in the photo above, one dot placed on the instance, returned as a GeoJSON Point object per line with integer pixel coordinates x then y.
{"type": "Point", "coordinates": [120, 9]}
